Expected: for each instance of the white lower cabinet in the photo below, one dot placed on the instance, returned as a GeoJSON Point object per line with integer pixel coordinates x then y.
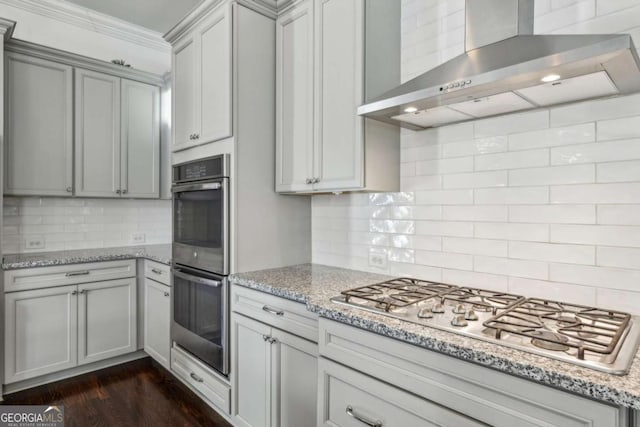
{"type": "Point", "coordinates": [157, 321]}
{"type": "Point", "coordinates": [107, 320]}
{"type": "Point", "coordinates": [40, 332]}
{"type": "Point", "coordinates": [351, 399]}
{"type": "Point", "coordinates": [446, 387]}
{"type": "Point", "coordinates": [275, 376]}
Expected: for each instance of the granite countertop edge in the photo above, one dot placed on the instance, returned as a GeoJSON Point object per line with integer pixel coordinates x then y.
{"type": "Point", "coordinates": [537, 374]}
{"type": "Point", "coordinates": [50, 259]}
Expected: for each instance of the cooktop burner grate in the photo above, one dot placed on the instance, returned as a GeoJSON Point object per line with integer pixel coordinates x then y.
{"type": "Point", "coordinates": [559, 326]}
{"type": "Point", "coordinates": [482, 300]}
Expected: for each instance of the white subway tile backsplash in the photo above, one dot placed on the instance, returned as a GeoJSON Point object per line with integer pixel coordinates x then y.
{"type": "Point", "coordinates": [554, 214]}
{"type": "Point", "coordinates": [568, 202]}
{"type": "Point", "coordinates": [511, 267]}
{"type": "Point", "coordinates": [610, 256]}
{"type": "Point", "coordinates": [573, 174]}
{"type": "Point", "coordinates": [596, 193]}
{"type": "Point", "coordinates": [512, 196]}
{"type": "Point", "coordinates": [578, 134]}
{"type": "Point", "coordinates": [628, 171]}
{"type": "Point", "coordinates": [553, 252]}
{"type": "Point", "coordinates": [66, 224]}
{"type": "Point", "coordinates": [608, 151]}
{"type": "Point", "coordinates": [514, 160]}
{"type": "Point", "coordinates": [610, 235]}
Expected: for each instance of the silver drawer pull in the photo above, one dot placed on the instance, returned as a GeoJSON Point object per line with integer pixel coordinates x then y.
{"type": "Point", "coordinates": [166, 294]}
{"type": "Point", "coordinates": [272, 310]}
{"type": "Point", "coordinates": [156, 270]}
{"type": "Point", "coordinates": [77, 273]}
{"type": "Point", "coordinates": [362, 419]}
{"type": "Point", "coordinates": [196, 378]}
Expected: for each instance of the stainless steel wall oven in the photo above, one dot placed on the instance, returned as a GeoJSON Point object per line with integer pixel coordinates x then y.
{"type": "Point", "coordinates": [200, 319]}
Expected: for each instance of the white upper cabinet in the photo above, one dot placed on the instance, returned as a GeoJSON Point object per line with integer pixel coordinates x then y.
{"type": "Point", "coordinates": [39, 118]}
{"type": "Point", "coordinates": [202, 81]}
{"type": "Point", "coordinates": [97, 148]}
{"type": "Point", "coordinates": [294, 88]}
{"type": "Point", "coordinates": [140, 140]}
{"type": "Point", "coordinates": [117, 150]}
{"type": "Point", "coordinates": [328, 64]}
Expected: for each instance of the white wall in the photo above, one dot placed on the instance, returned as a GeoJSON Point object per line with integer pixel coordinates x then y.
{"type": "Point", "coordinates": [79, 39]}
{"type": "Point", "coordinates": [545, 203]}
{"type": "Point", "coordinates": [65, 223]}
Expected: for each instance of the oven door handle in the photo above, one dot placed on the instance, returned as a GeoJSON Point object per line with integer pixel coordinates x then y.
{"type": "Point", "coordinates": [197, 187]}
{"type": "Point", "coordinates": [196, 279]}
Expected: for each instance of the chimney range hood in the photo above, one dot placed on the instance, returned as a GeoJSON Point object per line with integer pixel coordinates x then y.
{"type": "Point", "coordinates": [505, 69]}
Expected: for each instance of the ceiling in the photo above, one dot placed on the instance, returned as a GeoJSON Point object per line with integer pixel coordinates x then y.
{"type": "Point", "coordinates": [157, 15]}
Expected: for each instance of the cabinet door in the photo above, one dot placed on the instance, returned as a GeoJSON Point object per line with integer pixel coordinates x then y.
{"type": "Point", "coordinates": [97, 148]}
{"type": "Point", "coordinates": [252, 371]}
{"type": "Point", "coordinates": [184, 92]}
{"type": "Point", "coordinates": [107, 323]}
{"type": "Point", "coordinates": [140, 140]}
{"type": "Point", "coordinates": [296, 381]}
{"type": "Point", "coordinates": [40, 332]}
{"type": "Point", "coordinates": [214, 94]}
{"type": "Point", "coordinates": [39, 143]}
{"type": "Point", "coordinates": [294, 99]}
{"type": "Point", "coordinates": [157, 321]}
{"type": "Point", "coordinates": [339, 153]}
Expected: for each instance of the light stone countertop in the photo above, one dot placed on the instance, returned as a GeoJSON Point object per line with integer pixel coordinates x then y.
{"type": "Point", "coordinates": [159, 253]}
{"type": "Point", "coordinates": [314, 285]}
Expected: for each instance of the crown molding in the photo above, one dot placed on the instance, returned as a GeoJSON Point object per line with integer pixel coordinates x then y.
{"type": "Point", "coordinates": [79, 16]}
{"type": "Point", "coordinates": [6, 28]}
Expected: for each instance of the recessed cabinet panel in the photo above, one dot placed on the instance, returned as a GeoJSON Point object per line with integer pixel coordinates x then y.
{"type": "Point", "coordinates": [339, 151]}
{"type": "Point", "coordinates": [107, 323]}
{"type": "Point", "coordinates": [294, 101]}
{"type": "Point", "coordinates": [140, 147]}
{"type": "Point", "coordinates": [184, 91]}
{"type": "Point", "coordinates": [215, 76]}
{"type": "Point", "coordinates": [40, 332]}
{"type": "Point", "coordinates": [97, 145]}
{"type": "Point", "coordinates": [39, 120]}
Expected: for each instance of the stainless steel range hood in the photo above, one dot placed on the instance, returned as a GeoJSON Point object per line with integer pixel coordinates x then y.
{"type": "Point", "coordinates": [505, 69]}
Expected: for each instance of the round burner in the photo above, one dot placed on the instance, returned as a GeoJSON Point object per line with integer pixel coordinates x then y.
{"type": "Point", "coordinates": [555, 343]}
{"type": "Point", "coordinates": [568, 319]}
{"type": "Point", "coordinates": [482, 308]}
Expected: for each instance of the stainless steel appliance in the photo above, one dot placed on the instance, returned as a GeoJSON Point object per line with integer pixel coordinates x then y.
{"type": "Point", "coordinates": [200, 319]}
{"type": "Point", "coordinates": [604, 340]}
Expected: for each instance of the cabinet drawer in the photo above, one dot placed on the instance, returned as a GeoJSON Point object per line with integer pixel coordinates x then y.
{"type": "Point", "coordinates": [45, 277]}
{"type": "Point", "coordinates": [492, 397]}
{"type": "Point", "coordinates": [200, 378]}
{"type": "Point", "coordinates": [281, 313]}
{"type": "Point", "coordinates": [158, 272]}
{"type": "Point", "coordinates": [351, 399]}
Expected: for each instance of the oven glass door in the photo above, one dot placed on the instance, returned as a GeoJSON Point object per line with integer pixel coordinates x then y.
{"type": "Point", "coordinates": [200, 315]}
{"type": "Point", "coordinates": [200, 215]}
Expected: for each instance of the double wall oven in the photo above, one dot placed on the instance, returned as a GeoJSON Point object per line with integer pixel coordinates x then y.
{"type": "Point", "coordinates": [201, 260]}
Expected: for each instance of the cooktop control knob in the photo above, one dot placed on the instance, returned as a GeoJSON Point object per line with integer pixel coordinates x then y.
{"type": "Point", "coordinates": [471, 315]}
{"type": "Point", "coordinates": [459, 321]}
{"type": "Point", "coordinates": [459, 309]}
{"type": "Point", "coordinates": [425, 313]}
{"type": "Point", "coordinates": [437, 308]}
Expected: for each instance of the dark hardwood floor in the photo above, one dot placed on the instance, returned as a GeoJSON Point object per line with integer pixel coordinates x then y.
{"type": "Point", "coordinates": [139, 393]}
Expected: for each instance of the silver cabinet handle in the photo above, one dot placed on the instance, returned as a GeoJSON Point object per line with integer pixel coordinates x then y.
{"type": "Point", "coordinates": [272, 310]}
{"type": "Point", "coordinates": [74, 292]}
{"type": "Point", "coordinates": [308, 181]}
{"type": "Point", "coordinates": [265, 338]}
{"type": "Point", "coordinates": [196, 136]}
{"type": "Point", "coordinates": [191, 137]}
{"type": "Point", "coordinates": [362, 419]}
{"type": "Point", "coordinates": [82, 291]}
{"type": "Point", "coordinates": [69, 190]}
{"type": "Point", "coordinates": [195, 377]}
{"type": "Point", "coordinates": [156, 270]}
{"type": "Point", "coordinates": [166, 294]}
{"type": "Point", "coordinates": [117, 191]}
{"type": "Point", "coordinates": [124, 191]}
{"type": "Point", "coordinates": [77, 273]}
{"type": "Point", "coordinates": [272, 340]}
{"type": "Point", "coordinates": [316, 180]}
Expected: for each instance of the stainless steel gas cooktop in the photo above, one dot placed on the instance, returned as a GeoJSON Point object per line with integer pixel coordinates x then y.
{"type": "Point", "coordinates": [604, 340]}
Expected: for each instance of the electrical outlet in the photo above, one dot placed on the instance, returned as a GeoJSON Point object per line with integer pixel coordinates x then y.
{"type": "Point", "coordinates": [34, 242]}
{"type": "Point", "coordinates": [138, 238]}
{"type": "Point", "coordinates": [378, 258]}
